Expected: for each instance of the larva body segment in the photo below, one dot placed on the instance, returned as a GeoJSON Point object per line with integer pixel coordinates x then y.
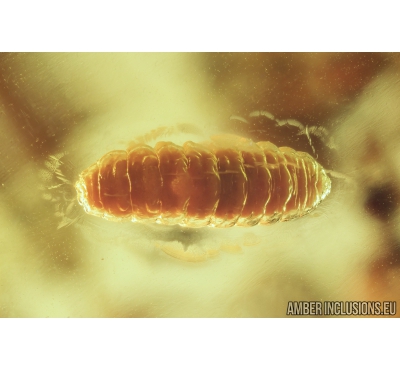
{"type": "Point", "coordinates": [230, 181]}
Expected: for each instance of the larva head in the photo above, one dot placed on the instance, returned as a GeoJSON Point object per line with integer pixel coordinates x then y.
{"type": "Point", "coordinates": [87, 188]}
{"type": "Point", "coordinates": [122, 185]}
{"type": "Point", "coordinates": [104, 189]}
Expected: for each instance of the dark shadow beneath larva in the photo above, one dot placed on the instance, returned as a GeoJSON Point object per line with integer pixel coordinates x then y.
{"type": "Point", "coordinates": [184, 235]}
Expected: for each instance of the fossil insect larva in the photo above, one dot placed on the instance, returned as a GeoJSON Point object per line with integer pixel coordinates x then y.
{"type": "Point", "coordinates": [229, 181]}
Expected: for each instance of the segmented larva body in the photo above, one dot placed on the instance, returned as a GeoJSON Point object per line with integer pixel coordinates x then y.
{"type": "Point", "coordinates": [229, 181]}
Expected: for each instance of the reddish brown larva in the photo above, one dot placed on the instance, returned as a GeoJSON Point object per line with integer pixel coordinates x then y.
{"type": "Point", "coordinates": [229, 181]}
